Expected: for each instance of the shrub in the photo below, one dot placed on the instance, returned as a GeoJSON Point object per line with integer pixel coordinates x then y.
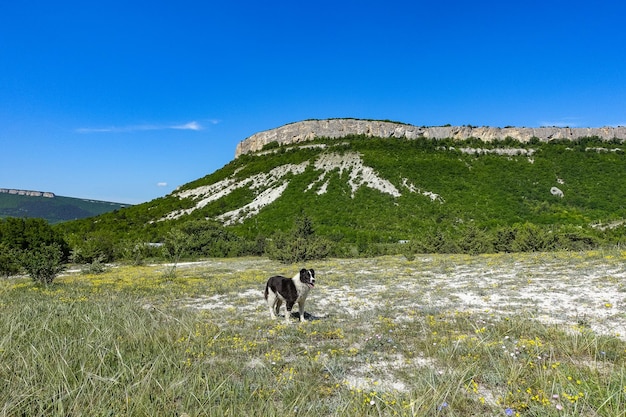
{"type": "Point", "coordinates": [576, 240]}
{"type": "Point", "coordinates": [475, 241]}
{"type": "Point", "coordinates": [286, 249]}
{"type": "Point", "coordinates": [504, 238]}
{"type": "Point", "coordinates": [9, 262]}
{"type": "Point", "coordinates": [532, 238]}
{"type": "Point", "coordinates": [174, 246]}
{"type": "Point", "coordinates": [29, 234]}
{"type": "Point", "coordinates": [97, 266]}
{"type": "Point", "coordinates": [439, 242]}
{"type": "Point", "coordinates": [208, 238]}
{"type": "Point", "coordinates": [44, 263]}
{"type": "Point", "coordinates": [99, 247]}
{"type": "Point", "coordinates": [299, 245]}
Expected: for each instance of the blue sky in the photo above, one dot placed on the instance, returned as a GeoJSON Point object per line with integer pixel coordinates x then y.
{"type": "Point", "coordinates": [126, 100]}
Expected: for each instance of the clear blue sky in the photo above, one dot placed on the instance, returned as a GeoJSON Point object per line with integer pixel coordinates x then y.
{"type": "Point", "coordinates": [126, 100]}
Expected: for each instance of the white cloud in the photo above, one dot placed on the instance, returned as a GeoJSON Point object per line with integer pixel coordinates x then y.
{"type": "Point", "coordinates": [188, 126]}
{"type": "Point", "coordinates": [118, 129]}
{"type": "Point", "coordinates": [193, 125]}
{"type": "Point", "coordinates": [161, 184]}
{"type": "Point", "coordinates": [95, 130]}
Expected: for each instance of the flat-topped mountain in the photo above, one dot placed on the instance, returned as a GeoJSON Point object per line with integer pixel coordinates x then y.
{"type": "Point", "coordinates": [367, 183]}
{"type": "Point", "coordinates": [337, 128]}
{"type": "Point", "coordinates": [49, 206]}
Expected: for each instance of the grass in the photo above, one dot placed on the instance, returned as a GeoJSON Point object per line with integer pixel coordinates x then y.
{"type": "Point", "coordinates": [436, 336]}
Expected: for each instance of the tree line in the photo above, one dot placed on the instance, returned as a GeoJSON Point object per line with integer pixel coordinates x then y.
{"type": "Point", "coordinates": [33, 247]}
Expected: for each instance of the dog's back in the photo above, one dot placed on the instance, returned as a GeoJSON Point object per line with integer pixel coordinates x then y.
{"type": "Point", "coordinates": [283, 286]}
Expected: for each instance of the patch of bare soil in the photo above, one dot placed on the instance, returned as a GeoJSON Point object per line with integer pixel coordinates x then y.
{"type": "Point", "coordinates": [568, 289]}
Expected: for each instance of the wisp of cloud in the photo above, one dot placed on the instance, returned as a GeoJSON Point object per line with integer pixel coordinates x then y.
{"type": "Point", "coordinates": [193, 125]}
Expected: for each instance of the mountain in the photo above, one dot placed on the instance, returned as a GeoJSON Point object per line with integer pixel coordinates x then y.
{"type": "Point", "coordinates": [359, 187]}
{"type": "Point", "coordinates": [48, 206]}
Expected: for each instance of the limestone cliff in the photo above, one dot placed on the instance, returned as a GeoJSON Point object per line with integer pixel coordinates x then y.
{"type": "Point", "coordinates": [28, 193]}
{"type": "Point", "coordinates": [337, 128]}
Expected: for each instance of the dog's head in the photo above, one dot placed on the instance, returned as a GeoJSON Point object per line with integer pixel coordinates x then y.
{"type": "Point", "coordinates": [307, 276]}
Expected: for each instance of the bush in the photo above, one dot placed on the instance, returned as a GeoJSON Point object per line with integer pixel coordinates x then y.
{"type": "Point", "coordinates": [576, 240]}
{"type": "Point", "coordinates": [475, 241]}
{"type": "Point", "coordinates": [440, 242]}
{"type": "Point", "coordinates": [98, 247]}
{"type": "Point", "coordinates": [44, 263]}
{"type": "Point", "coordinates": [30, 234]}
{"type": "Point", "coordinates": [299, 245]}
{"type": "Point", "coordinates": [9, 262]}
{"type": "Point", "coordinates": [532, 238]}
{"type": "Point", "coordinates": [97, 266]}
{"type": "Point", "coordinates": [504, 238]}
{"type": "Point", "coordinates": [208, 238]}
{"type": "Point", "coordinates": [287, 249]}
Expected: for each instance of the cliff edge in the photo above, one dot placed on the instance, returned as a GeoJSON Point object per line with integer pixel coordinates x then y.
{"type": "Point", "coordinates": [337, 128]}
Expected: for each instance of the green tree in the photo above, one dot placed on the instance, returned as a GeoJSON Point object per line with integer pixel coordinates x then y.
{"type": "Point", "coordinates": [300, 244]}
{"type": "Point", "coordinates": [43, 263]}
{"type": "Point", "coordinates": [28, 234]}
{"type": "Point", "coordinates": [475, 241]}
{"type": "Point", "coordinates": [96, 247]}
{"type": "Point", "coordinates": [532, 238]}
{"type": "Point", "coordinates": [209, 238]}
{"type": "Point", "coordinates": [175, 245]}
{"type": "Point", "coordinates": [9, 261]}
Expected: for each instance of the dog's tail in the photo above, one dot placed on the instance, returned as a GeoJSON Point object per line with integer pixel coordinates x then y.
{"type": "Point", "coordinates": [267, 289]}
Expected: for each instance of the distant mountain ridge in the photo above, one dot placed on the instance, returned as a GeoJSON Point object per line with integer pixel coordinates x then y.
{"type": "Point", "coordinates": [50, 207]}
{"type": "Point", "coordinates": [28, 193]}
{"type": "Point", "coordinates": [337, 128]}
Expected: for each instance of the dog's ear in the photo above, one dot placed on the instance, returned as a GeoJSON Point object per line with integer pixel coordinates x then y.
{"type": "Point", "coordinates": [312, 272]}
{"type": "Point", "coordinates": [303, 273]}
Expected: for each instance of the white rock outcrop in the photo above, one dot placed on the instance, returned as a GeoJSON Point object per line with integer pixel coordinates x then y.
{"type": "Point", "coordinates": [337, 128]}
{"type": "Point", "coordinates": [269, 187]}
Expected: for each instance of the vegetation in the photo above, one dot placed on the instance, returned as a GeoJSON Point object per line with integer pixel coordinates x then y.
{"type": "Point", "coordinates": [43, 264]}
{"type": "Point", "coordinates": [131, 342]}
{"type": "Point", "coordinates": [300, 244]}
{"type": "Point", "coordinates": [34, 246]}
{"type": "Point", "coordinates": [493, 197]}
{"type": "Point", "coordinates": [53, 210]}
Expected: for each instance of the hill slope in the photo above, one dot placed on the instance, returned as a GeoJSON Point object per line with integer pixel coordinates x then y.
{"type": "Point", "coordinates": [365, 189]}
{"type": "Point", "coordinates": [54, 209]}
{"type": "Point", "coordinates": [396, 187]}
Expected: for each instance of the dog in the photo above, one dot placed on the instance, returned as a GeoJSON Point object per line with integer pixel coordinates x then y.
{"type": "Point", "coordinates": [290, 291]}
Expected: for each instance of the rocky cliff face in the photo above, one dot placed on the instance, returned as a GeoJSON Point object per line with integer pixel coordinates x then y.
{"type": "Point", "coordinates": [337, 128]}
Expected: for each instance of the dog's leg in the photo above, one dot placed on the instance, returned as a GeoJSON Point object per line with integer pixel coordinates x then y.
{"type": "Point", "coordinates": [301, 310]}
{"type": "Point", "coordinates": [288, 308]}
{"type": "Point", "coordinates": [271, 302]}
{"type": "Point", "coordinates": [277, 305]}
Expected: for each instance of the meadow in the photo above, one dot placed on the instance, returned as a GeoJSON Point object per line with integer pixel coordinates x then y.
{"type": "Point", "coordinates": [438, 335]}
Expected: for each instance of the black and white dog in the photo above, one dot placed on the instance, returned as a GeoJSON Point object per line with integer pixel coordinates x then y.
{"type": "Point", "coordinates": [280, 289]}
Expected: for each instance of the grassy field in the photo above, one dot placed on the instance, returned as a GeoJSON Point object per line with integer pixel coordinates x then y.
{"type": "Point", "coordinates": [497, 335]}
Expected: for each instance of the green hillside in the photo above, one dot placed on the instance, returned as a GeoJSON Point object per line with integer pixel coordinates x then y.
{"type": "Point", "coordinates": [440, 195]}
{"type": "Point", "coordinates": [54, 210]}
